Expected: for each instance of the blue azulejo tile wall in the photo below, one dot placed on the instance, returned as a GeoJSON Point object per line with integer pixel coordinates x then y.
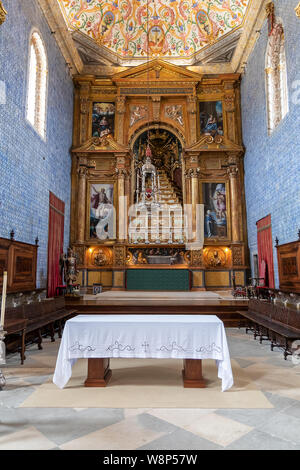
{"type": "Point", "coordinates": [30, 166]}
{"type": "Point", "coordinates": [272, 163]}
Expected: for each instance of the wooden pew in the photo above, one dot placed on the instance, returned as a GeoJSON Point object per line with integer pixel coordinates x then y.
{"type": "Point", "coordinates": [62, 314]}
{"type": "Point", "coordinates": [44, 316]}
{"type": "Point", "coordinates": [15, 325]}
{"type": "Point", "coordinates": [274, 322]}
{"type": "Point", "coordinates": [38, 316]}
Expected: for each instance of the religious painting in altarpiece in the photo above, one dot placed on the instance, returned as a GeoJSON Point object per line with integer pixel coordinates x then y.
{"type": "Point", "coordinates": [103, 119]}
{"type": "Point", "coordinates": [216, 210]}
{"type": "Point", "coordinates": [101, 211]}
{"type": "Point", "coordinates": [211, 118]}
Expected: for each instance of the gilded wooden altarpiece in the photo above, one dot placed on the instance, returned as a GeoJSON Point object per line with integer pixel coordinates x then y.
{"type": "Point", "coordinates": [160, 97]}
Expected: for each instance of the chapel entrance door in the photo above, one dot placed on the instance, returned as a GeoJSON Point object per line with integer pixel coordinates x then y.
{"type": "Point", "coordinates": [55, 242]}
{"type": "Point", "coordinates": [265, 251]}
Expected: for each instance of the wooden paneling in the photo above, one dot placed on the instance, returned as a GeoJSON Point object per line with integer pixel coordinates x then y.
{"type": "Point", "coordinates": [19, 260]}
{"type": "Point", "coordinates": [217, 279]}
{"type": "Point", "coordinates": [289, 266]}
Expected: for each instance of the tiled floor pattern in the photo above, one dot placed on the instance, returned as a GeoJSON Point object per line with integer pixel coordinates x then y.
{"type": "Point", "coordinates": [162, 429]}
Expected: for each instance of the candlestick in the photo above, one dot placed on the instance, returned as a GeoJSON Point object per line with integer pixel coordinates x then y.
{"type": "Point", "coordinates": [3, 299]}
{"type": "Point", "coordinates": [2, 357]}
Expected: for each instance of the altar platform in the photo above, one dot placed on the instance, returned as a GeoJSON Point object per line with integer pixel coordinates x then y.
{"type": "Point", "coordinates": [220, 303]}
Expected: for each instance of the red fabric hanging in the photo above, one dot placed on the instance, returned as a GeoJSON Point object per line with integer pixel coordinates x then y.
{"type": "Point", "coordinates": [265, 251]}
{"type": "Point", "coordinates": [55, 242]}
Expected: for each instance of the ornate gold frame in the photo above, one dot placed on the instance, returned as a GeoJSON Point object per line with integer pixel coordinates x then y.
{"type": "Point", "coordinates": [297, 10]}
{"type": "Point", "coordinates": [90, 182]}
{"type": "Point", "coordinates": [216, 240]}
{"type": "Point", "coordinates": [209, 100]}
{"type": "Point", "coordinates": [100, 100]}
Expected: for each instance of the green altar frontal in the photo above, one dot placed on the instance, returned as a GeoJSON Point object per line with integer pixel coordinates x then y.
{"type": "Point", "coordinates": [158, 279]}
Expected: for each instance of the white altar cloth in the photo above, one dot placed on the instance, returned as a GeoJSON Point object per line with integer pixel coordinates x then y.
{"type": "Point", "coordinates": [143, 336]}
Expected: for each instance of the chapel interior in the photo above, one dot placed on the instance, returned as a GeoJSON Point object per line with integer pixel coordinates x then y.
{"type": "Point", "coordinates": [149, 165]}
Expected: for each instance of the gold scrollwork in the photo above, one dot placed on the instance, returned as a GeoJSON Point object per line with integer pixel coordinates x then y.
{"type": "Point", "coordinates": [3, 13]}
{"type": "Point", "coordinates": [297, 10]}
{"type": "Point", "coordinates": [218, 139]}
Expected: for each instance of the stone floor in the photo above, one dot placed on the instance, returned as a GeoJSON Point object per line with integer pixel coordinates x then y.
{"type": "Point", "coordinates": [162, 429]}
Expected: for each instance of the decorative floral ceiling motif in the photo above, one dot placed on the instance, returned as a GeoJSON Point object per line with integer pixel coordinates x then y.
{"type": "Point", "coordinates": [167, 28]}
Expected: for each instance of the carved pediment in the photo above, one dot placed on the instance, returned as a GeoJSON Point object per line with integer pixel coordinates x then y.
{"type": "Point", "coordinates": [156, 70]}
{"type": "Point", "coordinates": [101, 144]}
{"type": "Point", "coordinates": [208, 143]}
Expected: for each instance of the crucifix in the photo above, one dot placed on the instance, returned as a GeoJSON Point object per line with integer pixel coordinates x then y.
{"type": "Point", "coordinates": [145, 345]}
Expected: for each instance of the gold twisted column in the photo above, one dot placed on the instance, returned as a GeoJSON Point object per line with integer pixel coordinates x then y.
{"type": "Point", "coordinates": [81, 203]}
{"type": "Point", "coordinates": [234, 200]}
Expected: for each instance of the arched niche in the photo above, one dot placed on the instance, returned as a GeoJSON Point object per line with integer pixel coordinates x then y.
{"type": "Point", "coordinates": [167, 150]}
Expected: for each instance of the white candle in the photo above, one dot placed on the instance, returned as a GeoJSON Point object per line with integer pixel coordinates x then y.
{"type": "Point", "coordinates": [3, 299]}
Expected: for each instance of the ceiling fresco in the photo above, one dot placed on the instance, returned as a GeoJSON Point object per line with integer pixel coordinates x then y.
{"type": "Point", "coordinates": [171, 29]}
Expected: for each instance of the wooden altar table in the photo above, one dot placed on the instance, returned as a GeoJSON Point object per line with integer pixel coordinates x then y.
{"type": "Point", "coordinates": [101, 337]}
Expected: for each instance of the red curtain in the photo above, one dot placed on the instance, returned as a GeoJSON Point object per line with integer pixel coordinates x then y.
{"type": "Point", "coordinates": [55, 241]}
{"type": "Point", "coordinates": [265, 251]}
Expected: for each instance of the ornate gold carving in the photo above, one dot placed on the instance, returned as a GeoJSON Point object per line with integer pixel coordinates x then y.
{"type": "Point", "coordinates": [217, 139]}
{"type": "Point", "coordinates": [82, 172]}
{"type": "Point", "coordinates": [196, 258]}
{"type": "Point", "coordinates": [215, 257]}
{"type": "Point", "coordinates": [210, 90]}
{"type": "Point", "coordinates": [101, 257]}
{"type": "Point", "coordinates": [119, 255]}
{"type": "Point", "coordinates": [156, 107]}
{"type": "Point", "coordinates": [297, 10]}
{"type": "Point", "coordinates": [121, 172]}
{"type": "Point", "coordinates": [121, 161]}
{"type": "Point", "coordinates": [229, 103]}
{"type": "Point", "coordinates": [232, 171]}
{"type": "Point", "coordinates": [192, 111]}
{"type": "Point", "coordinates": [84, 102]}
{"type": "Point", "coordinates": [157, 69]}
{"type": "Point", "coordinates": [237, 256]}
{"type": "Point", "coordinates": [106, 90]}
{"type": "Point", "coordinates": [138, 113]}
{"type": "Point", "coordinates": [192, 104]}
{"type": "Point", "coordinates": [3, 13]}
{"type": "Point", "coordinates": [121, 108]}
{"type": "Point", "coordinates": [232, 158]}
{"type": "Point", "coordinates": [193, 173]}
{"type": "Point", "coordinates": [79, 254]}
{"type": "Point", "coordinates": [175, 113]}
{"type": "Point", "coordinates": [84, 109]}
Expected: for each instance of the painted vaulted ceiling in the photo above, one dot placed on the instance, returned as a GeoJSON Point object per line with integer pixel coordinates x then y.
{"type": "Point", "coordinates": [122, 32]}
